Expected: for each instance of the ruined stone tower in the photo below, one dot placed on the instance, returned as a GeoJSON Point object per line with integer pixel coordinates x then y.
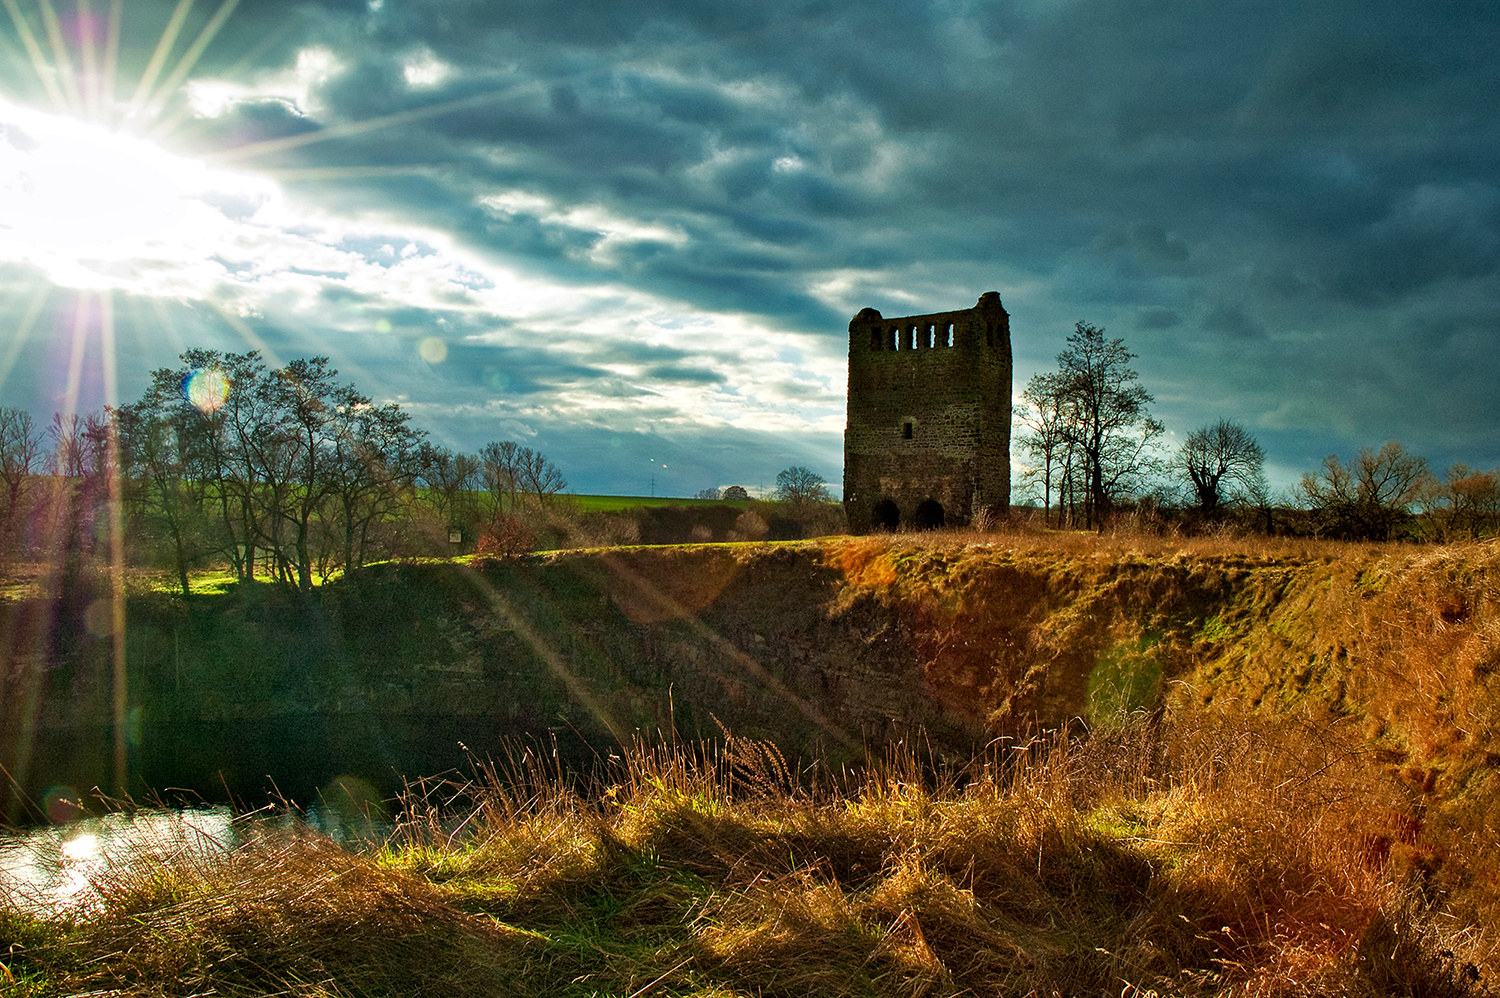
{"type": "Point", "coordinates": [928, 438]}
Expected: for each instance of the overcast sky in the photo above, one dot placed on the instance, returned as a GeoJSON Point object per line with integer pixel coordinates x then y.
{"type": "Point", "coordinates": [632, 234]}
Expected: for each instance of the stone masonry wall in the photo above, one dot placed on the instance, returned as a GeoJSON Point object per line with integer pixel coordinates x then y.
{"type": "Point", "coordinates": [928, 434]}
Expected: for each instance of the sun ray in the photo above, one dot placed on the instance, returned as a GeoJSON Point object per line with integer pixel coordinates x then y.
{"type": "Point", "coordinates": [23, 331]}
{"type": "Point", "coordinates": [732, 653]}
{"type": "Point", "coordinates": [111, 378]}
{"type": "Point", "coordinates": [247, 334]}
{"type": "Point", "coordinates": [111, 56]}
{"type": "Point", "coordinates": [190, 58]}
{"type": "Point", "coordinates": [77, 349]}
{"type": "Point", "coordinates": [166, 324]}
{"type": "Point", "coordinates": [61, 60]}
{"type": "Point", "coordinates": [580, 689]}
{"type": "Point", "coordinates": [347, 172]}
{"type": "Point", "coordinates": [269, 146]}
{"type": "Point", "coordinates": [159, 54]}
{"type": "Point", "coordinates": [116, 542]}
{"type": "Point", "coordinates": [39, 62]}
{"type": "Point", "coordinates": [88, 58]}
{"type": "Point", "coordinates": [166, 123]}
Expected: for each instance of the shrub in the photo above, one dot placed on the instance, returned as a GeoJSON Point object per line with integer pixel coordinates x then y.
{"type": "Point", "coordinates": [504, 536]}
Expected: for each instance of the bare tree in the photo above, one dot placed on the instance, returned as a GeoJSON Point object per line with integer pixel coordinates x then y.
{"type": "Point", "coordinates": [1223, 464]}
{"type": "Point", "coordinates": [1369, 498]}
{"type": "Point", "coordinates": [539, 476]}
{"type": "Point", "coordinates": [373, 470]}
{"type": "Point", "coordinates": [159, 488]}
{"type": "Point", "coordinates": [287, 462]}
{"type": "Point", "coordinates": [510, 471]}
{"type": "Point", "coordinates": [798, 485]}
{"type": "Point", "coordinates": [450, 479]}
{"type": "Point", "coordinates": [1466, 503]}
{"type": "Point", "coordinates": [1044, 414]}
{"type": "Point", "coordinates": [803, 490]}
{"type": "Point", "coordinates": [83, 469]}
{"type": "Point", "coordinates": [20, 463]}
{"type": "Point", "coordinates": [1102, 416]}
{"type": "Point", "coordinates": [500, 471]}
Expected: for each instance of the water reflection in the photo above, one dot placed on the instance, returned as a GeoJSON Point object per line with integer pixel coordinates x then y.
{"type": "Point", "coordinates": [61, 869]}
{"type": "Point", "coordinates": [53, 869]}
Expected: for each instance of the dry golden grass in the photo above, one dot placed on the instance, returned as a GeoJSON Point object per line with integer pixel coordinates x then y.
{"type": "Point", "coordinates": [1237, 857]}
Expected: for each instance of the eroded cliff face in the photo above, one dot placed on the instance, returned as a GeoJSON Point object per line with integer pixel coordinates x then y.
{"type": "Point", "coordinates": [828, 647]}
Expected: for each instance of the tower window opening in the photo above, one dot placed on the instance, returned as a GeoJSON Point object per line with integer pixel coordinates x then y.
{"type": "Point", "coordinates": [911, 337]}
{"type": "Point", "coordinates": [947, 334]}
{"type": "Point", "coordinates": [906, 430]}
{"type": "Point", "coordinates": [930, 335]}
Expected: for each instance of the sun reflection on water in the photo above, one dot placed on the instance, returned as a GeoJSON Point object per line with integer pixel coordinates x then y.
{"type": "Point", "coordinates": [58, 869]}
{"type": "Point", "coordinates": [46, 871]}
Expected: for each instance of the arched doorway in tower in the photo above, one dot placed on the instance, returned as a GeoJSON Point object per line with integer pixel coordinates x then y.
{"type": "Point", "coordinates": [885, 516]}
{"type": "Point", "coordinates": [929, 515]}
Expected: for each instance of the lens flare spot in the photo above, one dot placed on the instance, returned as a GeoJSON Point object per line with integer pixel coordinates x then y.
{"type": "Point", "coordinates": [61, 804]}
{"type": "Point", "coordinates": [433, 350]}
{"type": "Point", "coordinates": [351, 807]}
{"type": "Point", "coordinates": [206, 389]}
{"type": "Point", "coordinates": [99, 618]}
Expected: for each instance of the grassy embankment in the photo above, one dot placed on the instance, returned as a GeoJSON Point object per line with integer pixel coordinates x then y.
{"type": "Point", "coordinates": [1310, 811]}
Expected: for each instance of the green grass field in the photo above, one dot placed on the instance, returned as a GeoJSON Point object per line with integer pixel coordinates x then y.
{"type": "Point", "coordinates": [614, 504]}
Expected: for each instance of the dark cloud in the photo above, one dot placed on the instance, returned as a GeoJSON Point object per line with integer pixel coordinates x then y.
{"type": "Point", "coordinates": [1232, 321]}
{"type": "Point", "coordinates": [1290, 210]}
{"type": "Point", "coordinates": [1158, 318]}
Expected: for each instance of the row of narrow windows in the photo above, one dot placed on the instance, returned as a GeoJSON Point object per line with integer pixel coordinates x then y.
{"type": "Point", "coordinates": [921, 336]}
{"type": "Point", "coordinates": [915, 336]}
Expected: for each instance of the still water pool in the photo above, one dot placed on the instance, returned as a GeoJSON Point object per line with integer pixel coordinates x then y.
{"type": "Point", "coordinates": [58, 869]}
{"type": "Point", "coordinates": [50, 870]}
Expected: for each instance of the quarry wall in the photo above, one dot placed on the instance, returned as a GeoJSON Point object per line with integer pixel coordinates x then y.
{"type": "Point", "coordinates": [827, 647]}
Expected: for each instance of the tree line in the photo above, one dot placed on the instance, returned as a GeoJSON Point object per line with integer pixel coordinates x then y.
{"type": "Point", "coordinates": [291, 474]}
{"type": "Point", "coordinates": [1092, 448]}
{"type": "Point", "coordinates": [283, 472]}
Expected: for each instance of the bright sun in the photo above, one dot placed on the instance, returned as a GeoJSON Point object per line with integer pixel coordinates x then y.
{"type": "Point", "coordinates": [96, 208]}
